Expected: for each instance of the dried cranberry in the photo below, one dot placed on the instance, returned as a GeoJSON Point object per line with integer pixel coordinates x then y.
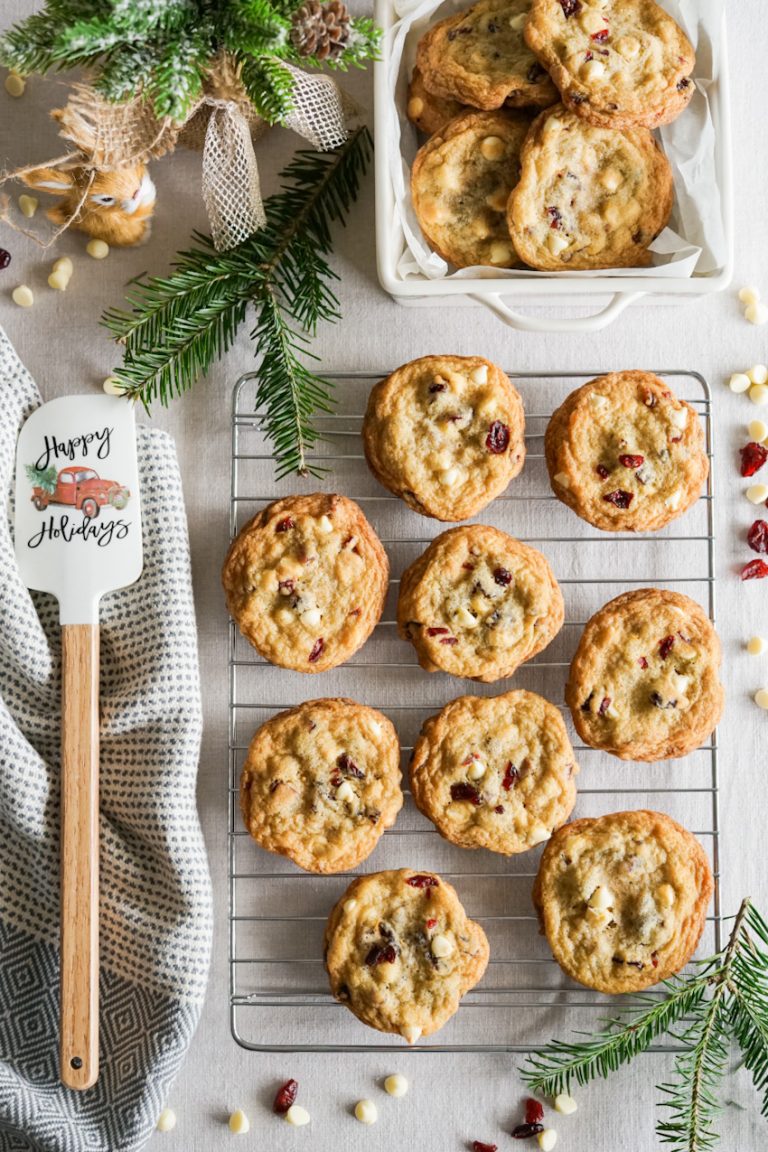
{"type": "Point", "coordinates": [655, 959]}
{"type": "Point", "coordinates": [683, 84]}
{"type": "Point", "coordinates": [619, 498]}
{"type": "Point", "coordinates": [665, 646]}
{"type": "Point", "coordinates": [431, 924]}
{"type": "Point", "coordinates": [285, 587]}
{"type": "Point", "coordinates": [463, 791]}
{"type": "Point", "coordinates": [555, 217]}
{"type": "Point", "coordinates": [285, 524]}
{"type": "Point", "coordinates": [349, 768]}
{"type": "Point", "coordinates": [525, 1131]}
{"type": "Point", "coordinates": [534, 1111]}
{"type": "Point", "coordinates": [317, 649]}
{"type": "Point", "coordinates": [602, 472]}
{"type": "Point", "coordinates": [478, 1146]}
{"type": "Point", "coordinates": [587, 57]}
{"type": "Point", "coordinates": [436, 631]}
{"type": "Point", "coordinates": [649, 400]}
{"type": "Point", "coordinates": [422, 881]}
{"type": "Point", "coordinates": [502, 576]}
{"type": "Point", "coordinates": [449, 640]}
{"type": "Point", "coordinates": [755, 570]}
{"type": "Point", "coordinates": [497, 440]}
{"type": "Point", "coordinates": [631, 461]}
{"type": "Point", "coordinates": [753, 456]}
{"type": "Point", "coordinates": [5, 258]}
{"type": "Point", "coordinates": [757, 537]}
{"type": "Point", "coordinates": [570, 7]}
{"type": "Point", "coordinates": [511, 777]}
{"type": "Point", "coordinates": [437, 387]}
{"type": "Point", "coordinates": [499, 809]}
{"type": "Point", "coordinates": [381, 954]}
{"type": "Point", "coordinates": [643, 662]}
{"type": "Point", "coordinates": [605, 704]}
{"type": "Point", "coordinates": [601, 36]}
{"type": "Point", "coordinates": [286, 1096]}
{"type": "Point", "coordinates": [468, 567]}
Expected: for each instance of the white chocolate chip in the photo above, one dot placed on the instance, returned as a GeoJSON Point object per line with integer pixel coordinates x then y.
{"type": "Point", "coordinates": [345, 791]}
{"type": "Point", "coordinates": [63, 264]}
{"type": "Point", "coordinates": [239, 1123]}
{"type": "Point", "coordinates": [756, 314]}
{"type": "Point", "coordinates": [311, 618]}
{"type": "Point", "coordinates": [592, 22]}
{"type": "Point", "coordinates": [758, 394]}
{"type": "Point", "coordinates": [411, 1033]}
{"type": "Point", "coordinates": [611, 179]}
{"type": "Point", "coordinates": [666, 895]}
{"type": "Point", "coordinates": [500, 253]}
{"type": "Point", "coordinates": [538, 835]}
{"type": "Point", "coordinates": [15, 84]}
{"type": "Point", "coordinates": [557, 243]}
{"type": "Point", "coordinates": [756, 646]}
{"type": "Point", "coordinates": [479, 375]}
{"type": "Point", "coordinates": [761, 698]}
{"type": "Point", "coordinates": [350, 905]}
{"type": "Point", "coordinates": [113, 387]}
{"type": "Point", "coordinates": [477, 769]}
{"type": "Point", "coordinates": [517, 23]}
{"type": "Point", "coordinates": [297, 1116]}
{"type": "Point", "coordinates": [58, 281]}
{"type": "Point", "coordinates": [23, 296]}
{"type": "Point", "coordinates": [678, 417]}
{"type": "Point", "coordinates": [166, 1121]}
{"type": "Point", "coordinates": [415, 107]}
{"type": "Point", "coordinates": [441, 947]}
{"type": "Point", "coordinates": [492, 147]}
{"type": "Point", "coordinates": [757, 494]}
{"type": "Point", "coordinates": [465, 618]}
{"type": "Point", "coordinates": [628, 47]}
{"type": "Point", "coordinates": [739, 382]}
{"type": "Point", "coordinates": [565, 1104]}
{"type": "Point", "coordinates": [450, 477]}
{"type": "Point", "coordinates": [284, 617]}
{"type": "Point", "coordinates": [366, 1112]}
{"type": "Point", "coordinates": [98, 249]}
{"type": "Point", "coordinates": [324, 524]}
{"type": "Point", "coordinates": [547, 1139]}
{"type": "Point", "coordinates": [749, 295]}
{"type": "Point", "coordinates": [758, 373]}
{"type": "Point", "coordinates": [396, 1085]}
{"type": "Point", "coordinates": [562, 480]}
{"type": "Point", "coordinates": [673, 501]}
{"type": "Point", "coordinates": [592, 70]}
{"type": "Point", "coordinates": [601, 899]}
{"type": "Point", "coordinates": [28, 206]}
{"type": "Point", "coordinates": [758, 430]}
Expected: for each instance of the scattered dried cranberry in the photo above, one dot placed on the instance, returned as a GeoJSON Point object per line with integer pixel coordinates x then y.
{"type": "Point", "coordinates": [462, 791]}
{"type": "Point", "coordinates": [601, 36]}
{"type": "Point", "coordinates": [468, 567]}
{"type": "Point", "coordinates": [381, 954]}
{"type": "Point", "coordinates": [285, 524]}
{"type": "Point", "coordinates": [643, 662]}
{"type": "Point", "coordinates": [499, 809]}
{"type": "Point", "coordinates": [431, 924]}
{"type": "Point", "coordinates": [534, 1111]}
{"type": "Point", "coordinates": [619, 498]}
{"type": "Point", "coordinates": [525, 1131]}
{"type": "Point", "coordinates": [5, 258]}
{"type": "Point", "coordinates": [555, 217]}
{"type": "Point", "coordinates": [757, 537]}
{"type": "Point", "coordinates": [755, 570]}
{"type": "Point", "coordinates": [349, 768]}
{"type": "Point", "coordinates": [437, 388]}
{"type": "Point", "coordinates": [605, 704]}
{"type": "Point", "coordinates": [317, 649]}
{"type": "Point", "coordinates": [683, 84]}
{"type": "Point", "coordinates": [422, 881]}
{"type": "Point", "coordinates": [511, 777]}
{"type": "Point", "coordinates": [753, 456]}
{"type": "Point", "coordinates": [449, 640]}
{"type": "Point", "coordinates": [631, 461]}
{"type": "Point", "coordinates": [570, 7]}
{"type": "Point", "coordinates": [665, 646]}
{"type": "Point", "coordinates": [602, 471]}
{"type": "Point", "coordinates": [502, 576]}
{"type": "Point", "coordinates": [478, 1146]}
{"type": "Point", "coordinates": [285, 587]}
{"type": "Point", "coordinates": [497, 440]}
{"type": "Point", "coordinates": [286, 1096]}
{"type": "Point", "coordinates": [437, 631]}
{"type": "Point", "coordinates": [655, 959]}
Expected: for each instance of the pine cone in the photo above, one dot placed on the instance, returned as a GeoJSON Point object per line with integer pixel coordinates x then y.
{"type": "Point", "coordinates": [321, 30]}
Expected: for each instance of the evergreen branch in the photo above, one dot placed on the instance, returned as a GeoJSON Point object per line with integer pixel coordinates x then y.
{"type": "Point", "coordinates": [691, 1093]}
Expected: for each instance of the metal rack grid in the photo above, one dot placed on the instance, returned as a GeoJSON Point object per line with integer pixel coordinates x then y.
{"type": "Point", "coordinates": [279, 998]}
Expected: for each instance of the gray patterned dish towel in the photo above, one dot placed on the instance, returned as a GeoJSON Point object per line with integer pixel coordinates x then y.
{"type": "Point", "coordinates": [155, 888]}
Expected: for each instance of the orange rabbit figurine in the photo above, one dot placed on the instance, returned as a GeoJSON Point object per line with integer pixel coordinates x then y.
{"type": "Point", "coordinates": [117, 208]}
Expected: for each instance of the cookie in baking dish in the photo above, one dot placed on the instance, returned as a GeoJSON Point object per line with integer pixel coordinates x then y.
{"type": "Point", "coordinates": [622, 899]}
{"type": "Point", "coordinates": [460, 184]}
{"type": "Point", "coordinates": [427, 111]}
{"type": "Point", "coordinates": [618, 63]}
{"type": "Point", "coordinates": [306, 581]}
{"type": "Point", "coordinates": [643, 683]}
{"type": "Point", "coordinates": [495, 772]}
{"type": "Point", "coordinates": [588, 197]}
{"type": "Point", "coordinates": [401, 952]}
{"type": "Point", "coordinates": [445, 433]}
{"type": "Point", "coordinates": [479, 57]}
{"type": "Point", "coordinates": [625, 453]}
{"type": "Point", "coordinates": [478, 603]}
{"type": "Point", "coordinates": [321, 783]}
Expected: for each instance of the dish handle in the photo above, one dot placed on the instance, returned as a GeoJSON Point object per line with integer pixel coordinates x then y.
{"type": "Point", "coordinates": [593, 323]}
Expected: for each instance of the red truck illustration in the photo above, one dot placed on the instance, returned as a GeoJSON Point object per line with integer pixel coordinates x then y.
{"type": "Point", "coordinates": [77, 486]}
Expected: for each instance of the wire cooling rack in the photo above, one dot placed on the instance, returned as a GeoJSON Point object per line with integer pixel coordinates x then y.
{"type": "Point", "coordinates": [279, 998]}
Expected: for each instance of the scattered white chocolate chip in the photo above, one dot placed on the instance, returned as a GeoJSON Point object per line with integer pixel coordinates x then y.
{"type": "Point", "coordinates": [678, 417]}
{"type": "Point", "coordinates": [749, 295]}
{"type": "Point", "coordinates": [565, 1104]}
{"type": "Point", "coordinates": [166, 1121]}
{"type": "Point", "coordinates": [758, 373]}
{"type": "Point", "coordinates": [366, 1112]}
{"type": "Point", "coordinates": [396, 1085]}
{"type": "Point", "coordinates": [239, 1123]}
{"type": "Point", "coordinates": [465, 618]}
{"type": "Point", "coordinates": [666, 895]}
{"type": "Point", "coordinates": [761, 698]}
{"type": "Point", "coordinates": [297, 1116]}
{"type": "Point", "coordinates": [284, 617]}
{"type": "Point", "coordinates": [601, 898]}
{"type": "Point", "coordinates": [593, 70]}
{"type": "Point", "coordinates": [757, 494]}
{"type": "Point", "coordinates": [112, 386]}
{"type": "Point", "coordinates": [539, 835]}
{"type": "Point", "coordinates": [673, 501]}
{"type": "Point", "coordinates": [517, 23]}
{"type": "Point", "coordinates": [756, 314]}
{"type": "Point", "coordinates": [739, 382]}
{"type": "Point", "coordinates": [611, 179]}
{"type": "Point", "coordinates": [450, 477]}
{"type": "Point", "coordinates": [411, 1033]}
{"type": "Point", "coordinates": [628, 47]}
{"type": "Point", "coordinates": [557, 243]}
{"type": "Point", "coordinates": [500, 253]}
{"type": "Point", "coordinates": [324, 524]}
{"type": "Point", "coordinates": [756, 646]}
{"type": "Point", "coordinates": [64, 264]}
{"type": "Point", "coordinates": [15, 84]}
{"type": "Point", "coordinates": [492, 147]}
{"type": "Point", "coordinates": [477, 769]}
{"type": "Point", "coordinates": [28, 206]}
{"type": "Point", "coordinates": [758, 430]}
{"type": "Point", "coordinates": [350, 905]}
{"type": "Point", "coordinates": [375, 727]}
{"type": "Point", "coordinates": [58, 281]}
{"type": "Point", "coordinates": [98, 249]}
{"type": "Point", "coordinates": [345, 791]}
{"type": "Point", "coordinates": [758, 394]}
{"type": "Point", "coordinates": [479, 375]}
{"type": "Point", "coordinates": [311, 618]}
{"type": "Point", "coordinates": [562, 480]}
{"type": "Point", "coordinates": [441, 947]}
{"type": "Point", "coordinates": [547, 1139]}
{"type": "Point", "coordinates": [23, 296]}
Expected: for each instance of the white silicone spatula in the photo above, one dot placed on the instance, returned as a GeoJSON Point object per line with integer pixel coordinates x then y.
{"type": "Point", "coordinates": [78, 535]}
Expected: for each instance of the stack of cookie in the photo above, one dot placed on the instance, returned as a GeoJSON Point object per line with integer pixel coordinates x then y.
{"type": "Point", "coordinates": [585, 185]}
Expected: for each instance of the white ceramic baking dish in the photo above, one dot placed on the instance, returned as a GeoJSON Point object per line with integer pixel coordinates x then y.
{"type": "Point", "coordinates": [504, 296]}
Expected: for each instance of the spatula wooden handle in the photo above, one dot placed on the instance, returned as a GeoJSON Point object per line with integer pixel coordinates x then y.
{"type": "Point", "coordinates": [79, 1043]}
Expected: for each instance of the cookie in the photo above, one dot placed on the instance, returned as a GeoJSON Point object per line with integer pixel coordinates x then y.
{"type": "Point", "coordinates": [588, 197]}
{"type": "Point", "coordinates": [625, 454]}
{"type": "Point", "coordinates": [306, 581]}
{"type": "Point", "coordinates": [478, 603]}
{"type": "Point", "coordinates": [618, 64]}
{"type": "Point", "coordinates": [643, 683]}
{"type": "Point", "coordinates": [321, 783]}
{"type": "Point", "coordinates": [495, 772]}
{"type": "Point", "coordinates": [479, 57]}
{"type": "Point", "coordinates": [445, 433]}
{"type": "Point", "coordinates": [401, 952]}
{"type": "Point", "coordinates": [460, 184]}
{"type": "Point", "coordinates": [623, 899]}
{"type": "Point", "coordinates": [426, 110]}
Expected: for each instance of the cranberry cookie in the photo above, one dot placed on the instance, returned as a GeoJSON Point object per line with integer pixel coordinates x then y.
{"type": "Point", "coordinates": [625, 454]}
{"type": "Point", "coordinates": [617, 63]}
{"type": "Point", "coordinates": [643, 683]}
{"type": "Point", "coordinates": [623, 899]}
{"type": "Point", "coordinates": [495, 772]}
{"type": "Point", "coordinates": [479, 56]}
{"type": "Point", "coordinates": [427, 111]}
{"type": "Point", "coordinates": [445, 433]}
{"type": "Point", "coordinates": [460, 184]}
{"type": "Point", "coordinates": [588, 197]}
{"type": "Point", "coordinates": [306, 581]}
{"type": "Point", "coordinates": [401, 952]}
{"type": "Point", "coordinates": [478, 603]}
{"type": "Point", "coordinates": [321, 783]}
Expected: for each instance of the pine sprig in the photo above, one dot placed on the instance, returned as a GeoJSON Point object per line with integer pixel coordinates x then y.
{"type": "Point", "coordinates": [725, 999]}
{"type": "Point", "coordinates": [177, 326]}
